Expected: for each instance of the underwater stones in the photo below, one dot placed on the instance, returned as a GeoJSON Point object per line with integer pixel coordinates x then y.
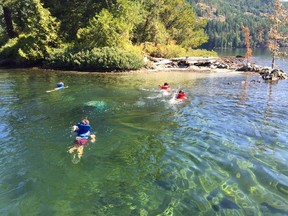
{"type": "Point", "coordinates": [232, 190]}
{"type": "Point", "coordinates": [170, 208]}
{"type": "Point", "coordinates": [244, 164]}
{"type": "Point", "coordinates": [268, 208]}
{"type": "Point", "coordinates": [97, 104]}
{"type": "Point", "coordinates": [240, 199]}
{"type": "Point", "coordinates": [229, 212]}
{"type": "Point", "coordinates": [209, 183]}
{"type": "Point", "coordinates": [170, 186]}
{"type": "Point", "coordinates": [188, 177]}
{"type": "Point", "coordinates": [282, 188]}
{"type": "Point", "coordinates": [228, 204]}
{"type": "Point", "coordinates": [203, 204]}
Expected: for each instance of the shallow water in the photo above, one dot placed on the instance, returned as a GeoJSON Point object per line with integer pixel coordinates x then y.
{"type": "Point", "coordinates": [221, 152]}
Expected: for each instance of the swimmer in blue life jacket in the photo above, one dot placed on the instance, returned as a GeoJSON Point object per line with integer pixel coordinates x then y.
{"type": "Point", "coordinates": [83, 130]}
{"type": "Point", "coordinates": [59, 86]}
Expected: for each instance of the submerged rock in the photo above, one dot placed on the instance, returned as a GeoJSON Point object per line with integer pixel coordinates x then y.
{"type": "Point", "coordinates": [96, 104]}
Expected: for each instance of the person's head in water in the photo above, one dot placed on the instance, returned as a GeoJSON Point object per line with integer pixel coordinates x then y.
{"type": "Point", "coordinates": [181, 92]}
{"type": "Point", "coordinates": [85, 121]}
{"type": "Point", "coordinates": [166, 84]}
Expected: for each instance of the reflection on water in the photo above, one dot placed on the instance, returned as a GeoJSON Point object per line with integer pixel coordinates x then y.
{"type": "Point", "coordinates": [221, 152]}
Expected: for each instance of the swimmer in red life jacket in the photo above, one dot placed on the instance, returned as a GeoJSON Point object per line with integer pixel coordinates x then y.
{"type": "Point", "coordinates": [83, 130]}
{"type": "Point", "coordinates": [165, 87]}
{"type": "Point", "coordinates": [181, 95]}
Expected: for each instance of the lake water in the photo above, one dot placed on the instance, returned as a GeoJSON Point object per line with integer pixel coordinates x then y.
{"type": "Point", "coordinates": [221, 152]}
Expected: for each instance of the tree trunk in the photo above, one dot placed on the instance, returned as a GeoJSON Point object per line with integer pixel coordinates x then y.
{"type": "Point", "coordinates": [273, 60]}
{"type": "Point", "coordinates": [8, 22]}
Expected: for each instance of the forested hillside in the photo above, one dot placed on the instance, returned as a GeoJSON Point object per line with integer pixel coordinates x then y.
{"type": "Point", "coordinates": [225, 19]}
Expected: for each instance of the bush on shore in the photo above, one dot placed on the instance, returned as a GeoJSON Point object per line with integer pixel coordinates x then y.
{"type": "Point", "coordinates": [96, 59]}
{"type": "Point", "coordinates": [173, 50]}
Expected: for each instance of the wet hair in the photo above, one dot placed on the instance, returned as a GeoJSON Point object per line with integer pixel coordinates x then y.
{"type": "Point", "coordinates": [85, 121]}
{"type": "Point", "coordinates": [181, 91]}
{"type": "Point", "coordinates": [166, 84]}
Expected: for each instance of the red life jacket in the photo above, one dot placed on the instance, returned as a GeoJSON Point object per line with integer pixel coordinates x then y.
{"type": "Point", "coordinates": [181, 96]}
{"type": "Point", "coordinates": [165, 87]}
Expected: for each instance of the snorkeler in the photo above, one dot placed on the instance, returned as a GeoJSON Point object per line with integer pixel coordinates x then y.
{"type": "Point", "coordinates": [165, 87]}
{"type": "Point", "coordinates": [83, 130]}
{"type": "Point", "coordinates": [59, 86]}
{"type": "Point", "coordinates": [181, 95]}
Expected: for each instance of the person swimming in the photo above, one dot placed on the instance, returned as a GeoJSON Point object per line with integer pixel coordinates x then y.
{"type": "Point", "coordinates": [84, 132]}
{"type": "Point", "coordinates": [181, 95]}
{"type": "Point", "coordinates": [59, 85]}
{"type": "Point", "coordinates": [165, 87]}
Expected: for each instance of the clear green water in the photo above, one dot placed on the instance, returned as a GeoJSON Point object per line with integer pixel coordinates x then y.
{"type": "Point", "coordinates": [222, 152]}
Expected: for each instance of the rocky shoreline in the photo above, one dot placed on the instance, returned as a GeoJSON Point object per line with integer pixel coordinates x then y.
{"type": "Point", "coordinates": [210, 64]}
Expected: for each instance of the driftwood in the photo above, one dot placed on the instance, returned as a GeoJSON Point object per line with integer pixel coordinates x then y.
{"type": "Point", "coordinates": [188, 62]}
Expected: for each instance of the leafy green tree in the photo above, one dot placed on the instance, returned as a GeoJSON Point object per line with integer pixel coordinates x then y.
{"type": "Point", "coordinates": [10, 30]}
{"type": "Point", "coordinates": [36, 29]}
{"type": "Point", "coordinates": [112, 28]}
{"type": "Point", "coordinates": [75, 14]}
{"type": "Point", "coordinates": [181, 23]}
{"type": "Point", "coordinates": [170, 20]}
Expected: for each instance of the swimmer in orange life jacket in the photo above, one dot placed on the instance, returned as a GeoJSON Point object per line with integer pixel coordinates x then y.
{"type": "Point", "coordinates": [165, 87]}
{"type": "Point", "coordinates": [181, 95]}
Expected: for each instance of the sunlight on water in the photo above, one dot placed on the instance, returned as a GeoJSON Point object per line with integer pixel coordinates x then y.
{"type": "Point", "coordinates": [223, 151]}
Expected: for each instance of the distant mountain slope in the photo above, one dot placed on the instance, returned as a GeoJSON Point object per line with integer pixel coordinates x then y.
{"type": "Point", "coordinates": [225, 19]}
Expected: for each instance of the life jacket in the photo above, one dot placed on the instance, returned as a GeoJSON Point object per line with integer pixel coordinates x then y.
{"type": "Point", "coordinates": [60, 85]}
{"type": "Point", "coordinates": [181, 96]}
{"type": "Point", "coordinates": [84, 130]}
{"type": "Point", "coordinates": [165, 87]}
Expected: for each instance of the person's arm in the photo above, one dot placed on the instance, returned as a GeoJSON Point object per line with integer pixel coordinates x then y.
{"type": "Point", "coordinates": [55, 89]}
{"type": "Point", "coordinates": [74, 128]}
{"type": "Point", "coordinates": [52, 90]}
{"type": "Point", "coordinates": [93, 138]}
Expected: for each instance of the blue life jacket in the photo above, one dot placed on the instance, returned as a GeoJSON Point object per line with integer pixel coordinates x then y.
{"type": "Point", "coordinates": [60, 85]}
{"type": "Point", "coordinates": [84, 130]}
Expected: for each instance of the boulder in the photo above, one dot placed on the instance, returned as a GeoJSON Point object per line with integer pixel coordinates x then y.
{"type": "Point", "coordinates": [272, 74]}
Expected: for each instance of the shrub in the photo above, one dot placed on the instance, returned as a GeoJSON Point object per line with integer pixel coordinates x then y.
{"type": "Point", "coordinates": [24, 51]}
{"type": "Point", "coordinates": [172, 51]}
{"type": "Point", "coordinates": [96, 59]}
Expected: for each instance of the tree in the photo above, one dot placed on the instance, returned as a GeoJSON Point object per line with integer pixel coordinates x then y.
{"type": "Point", "coordinates": [8, 22]}
{"type": "Point", "coordinates": [276, 34]}
{"type": "Point", "coordinates": [35, 31]}
{"type": "Point", "coordinates": [247, 43]}
{"type": "Point", "coordinates": [170, 20]}
{"type": "Point", "coordinates": [112, 27]}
